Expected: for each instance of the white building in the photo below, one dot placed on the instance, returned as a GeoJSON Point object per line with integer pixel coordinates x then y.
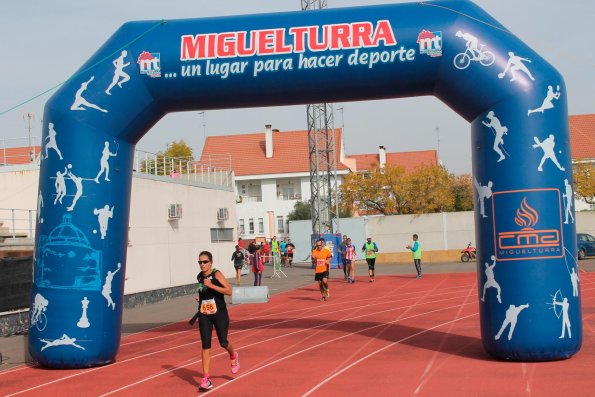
{"type": "Point", "coordinates": [272, 173]}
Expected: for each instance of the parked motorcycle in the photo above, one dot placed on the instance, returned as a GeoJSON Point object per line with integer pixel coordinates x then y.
{"type": "Point", "coordinates": [468, 253]}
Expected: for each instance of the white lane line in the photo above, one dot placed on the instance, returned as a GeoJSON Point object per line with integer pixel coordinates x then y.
{"type": "Point", "coordinates": [193, 342]}
{"type": "Point", "coordinates": [380, 350]}
{"type": "Point", "coordinates": [425, 377]}
{"type": "Point", "coordinates": [280, 337]}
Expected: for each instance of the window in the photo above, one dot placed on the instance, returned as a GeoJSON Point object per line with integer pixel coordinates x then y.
{"type": "Point", "coordinates": [251, 226]}
{"type": "Point", "coordinates": [261, 225]}
{"type": "Point", "coordinates": [241, 227]}
{"type": "Point", "coordinates": [280, 225]}
{"type": "Point", "coordinates": [221, 234]}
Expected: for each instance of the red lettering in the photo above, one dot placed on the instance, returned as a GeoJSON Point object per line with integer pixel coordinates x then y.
{"type": "Point", "coordinates": [299, 41]}
{"type": "Point", "coordinates": [193, 47]}
{"type": "Point", "coordinates": [362, 34]}
{"type": "Point", "coordinates": [340, 36]}
{"type": "Point", "coordinates": [243, 49]}
{"type": "Point", "coordinates": [314, 40]}
{"type": "Point", "coordinates": [384, 32]}
{"type": "Point", "coordinates": [211, 46]}
{"type": "Point", "coordinates": [266, 41]}
{"type": "Point", "coordinates": [226, 45]}
{"type": "Point", "coordinates": [280, 46]}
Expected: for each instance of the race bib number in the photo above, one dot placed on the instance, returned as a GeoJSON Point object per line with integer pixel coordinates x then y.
{"type": "Point", "coordinates": [371, 253]}
{"type": "Point", "coordinates": [208, 306]}
{"type": "Point", "coordinates": [320, 265]}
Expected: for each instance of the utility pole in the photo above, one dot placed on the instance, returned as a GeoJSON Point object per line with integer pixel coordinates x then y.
{"type": "Point", "coordinates": [28, 117]}
{"type": "Point", "coordinates": [323, 159]}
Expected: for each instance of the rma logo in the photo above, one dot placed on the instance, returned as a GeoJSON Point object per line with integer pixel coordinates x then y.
{"type": "Point", "coordinates": [527, 224]}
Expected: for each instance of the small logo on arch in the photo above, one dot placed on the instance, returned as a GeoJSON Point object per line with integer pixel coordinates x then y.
{"type": "Point", "coordinates": [150, 63]}
{"type": "Point", "coordinates": [430, 43]}
{"type": "Point", "coordinates": [527, 224]}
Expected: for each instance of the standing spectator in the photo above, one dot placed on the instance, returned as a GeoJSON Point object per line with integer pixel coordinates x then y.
{"type": "Point", "coordinates": [290, 247]}
{"type": "Point", "coordinates": [275, 251]}
{"type": "Point", "coordinates": [321, 259]}
{"type": "Point", "coordinates": [238, 262]}
{"type": "Point", "coordinates": [257, 267]}
{"type": "Point", "coordinates": [212, 286]}
{"type": "Point", "coordinates": [341, 250]}
{"type": "Point", "coordinates": [416, 251]}
{"type": "Point", "coordinates": [283, 249]}
{"type": "Point", "coordinates": [266, 251]}
{"type": "Point", "coordinates": [350, 254]}
{"type": "Point", "coordinates": [370, 249]}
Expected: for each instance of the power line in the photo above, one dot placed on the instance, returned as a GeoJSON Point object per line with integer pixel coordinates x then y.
{"type": "Point", "coordinates": [163, 21]}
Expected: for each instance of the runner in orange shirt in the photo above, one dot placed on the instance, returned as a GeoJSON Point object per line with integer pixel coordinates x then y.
{"type": "Point", "coordinates": [321, 258]}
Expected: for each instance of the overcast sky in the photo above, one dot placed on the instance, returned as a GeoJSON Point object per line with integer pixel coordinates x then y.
{"type": "Point", "coordinates": [44, 42]}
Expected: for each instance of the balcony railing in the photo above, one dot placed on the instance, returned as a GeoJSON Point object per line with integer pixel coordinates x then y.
{"type": "Point", "coordinates": [293, 196]}
{"type": "Point", "coordinates": [17, 225]}
{"type": "Point", "coordinates": [207, 171]}
{"type": "Point", "coordinates": [249, 199]}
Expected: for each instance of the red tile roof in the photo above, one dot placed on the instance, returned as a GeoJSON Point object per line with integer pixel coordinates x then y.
{"type": "Point", "coordinates": [582, 136]}
{"type": "Point", "coordinates": [248, 156]}
{"type": "Point", "coordinates": [407, 160]}
{"type": "Point", "coordinates": [17, 155]}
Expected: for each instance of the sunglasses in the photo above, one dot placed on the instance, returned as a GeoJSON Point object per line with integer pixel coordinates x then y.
{"type": "Point", "coordinates": [203, 262]}
{"type": "Point", "coordinates": [319, 245]}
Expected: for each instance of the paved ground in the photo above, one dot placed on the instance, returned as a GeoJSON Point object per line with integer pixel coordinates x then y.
{"type": "Point", "coordinates": [13, 349]}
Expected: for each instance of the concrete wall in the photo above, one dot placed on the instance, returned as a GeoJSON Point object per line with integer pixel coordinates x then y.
{"type": "Point", "coordinates": [161, 253]}
{"type": "Point", "coordinates": [442, 236]}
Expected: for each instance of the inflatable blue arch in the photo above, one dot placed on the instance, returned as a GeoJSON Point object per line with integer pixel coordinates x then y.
{"type": "Point", "coordinates": [528, 294]}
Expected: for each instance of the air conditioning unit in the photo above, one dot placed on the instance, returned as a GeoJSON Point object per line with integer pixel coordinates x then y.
{"type": "Point", "coordinates": [175, 211]}
{"type": "Point", "coordinates": [222, 214]}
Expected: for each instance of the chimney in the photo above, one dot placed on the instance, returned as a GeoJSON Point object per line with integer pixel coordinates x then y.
{"type": "Point", "coordinates": [382, 156]}
{"type": "Point", "coordinates": [268, 140]}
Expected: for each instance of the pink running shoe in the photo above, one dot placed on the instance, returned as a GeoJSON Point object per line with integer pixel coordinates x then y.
{"type": "Point", "coordinates": [235, 364]}
{"type": "Point", "coordinates": [205, 384]}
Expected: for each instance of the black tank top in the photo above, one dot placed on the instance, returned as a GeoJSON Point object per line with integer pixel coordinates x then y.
{"type": "Point", "coordinates": [207, 293]}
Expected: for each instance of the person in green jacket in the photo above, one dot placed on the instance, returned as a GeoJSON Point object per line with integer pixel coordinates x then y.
{"type": "Point", "coordinates": [370, 249]}
{"type": "Point", "coordinates": [416, 251]}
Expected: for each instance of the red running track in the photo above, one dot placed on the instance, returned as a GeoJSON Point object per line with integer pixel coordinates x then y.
{"type": "Point", "coordinates": [397, 336]}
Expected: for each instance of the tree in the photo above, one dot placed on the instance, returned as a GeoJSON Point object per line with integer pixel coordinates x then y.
{"type": "Point", "coordinates": [584, 181]}
{"type": "Point", "coordinates": [178, 156]}
{"type": "Point", "coordinates": [301, 211]}
{"type": "Point", "coordinates": [463, 192]}
{"type": "Point", "coordinates": [431, 188]}
{"type": "Point", "coordinates": [370, 191]}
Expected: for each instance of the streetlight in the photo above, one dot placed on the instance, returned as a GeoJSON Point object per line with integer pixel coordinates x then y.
{"type": "Point", "coordinates": [28, 117]}
{"type": "Point", "coordinates": [204, 126]}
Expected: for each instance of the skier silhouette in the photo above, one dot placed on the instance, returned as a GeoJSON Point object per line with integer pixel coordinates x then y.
{"type": "Point", "coordinates": [548, 101]}
{"type": "Point", "coordinates": [547, 145]}
{"type": "Point", "coordinates": [81, 103]}
{"type": "Point", "coordinates": [512, 314]}
{"type": "Point", "coordinates": [119, 72]}
{"type": "Point", "coordinates": [500, 131]}
{"type": "Point", "coordinates": [491, 280]}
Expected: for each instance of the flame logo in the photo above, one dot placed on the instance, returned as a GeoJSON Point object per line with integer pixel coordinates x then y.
{"type": "Point", "coordinates": [526, 217]}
